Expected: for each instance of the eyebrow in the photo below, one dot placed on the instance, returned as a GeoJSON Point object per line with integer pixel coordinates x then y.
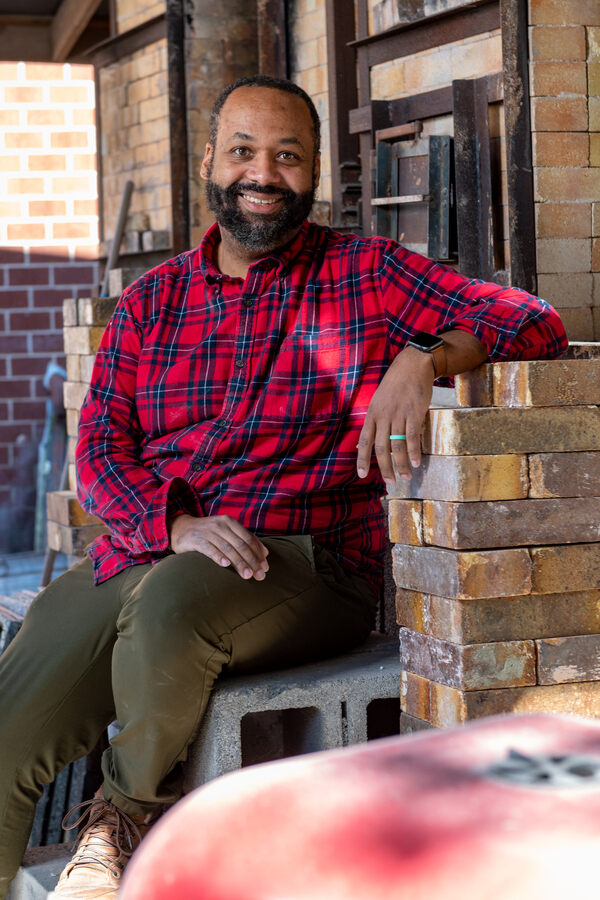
{"type": "Point", "coordinates": [242, 136]}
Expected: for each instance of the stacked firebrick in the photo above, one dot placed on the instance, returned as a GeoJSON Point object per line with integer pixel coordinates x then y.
{"type": "Point", "coordinates": [70, 529]}
{"type": "Point", "coordinates": [497, 547]}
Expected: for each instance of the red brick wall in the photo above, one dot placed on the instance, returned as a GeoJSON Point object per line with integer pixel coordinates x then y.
{"type": "Point", "coordinates": [48, 251]}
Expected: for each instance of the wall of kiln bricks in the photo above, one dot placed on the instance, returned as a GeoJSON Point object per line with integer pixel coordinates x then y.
{"type": "Point", "coordinates": [565, 112]}
{"type": "Point", "coordinates": [497, 547]}
{"type": "Point", "coordinates": [48, 250]}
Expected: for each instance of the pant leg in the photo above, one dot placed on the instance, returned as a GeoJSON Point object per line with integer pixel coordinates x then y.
{"type": "Point", "coordinates": [55, 696]}
{"type": "Point", "coordinates": [186, 620]}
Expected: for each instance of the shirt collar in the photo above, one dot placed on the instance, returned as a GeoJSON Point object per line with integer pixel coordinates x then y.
{"type": "Point", "coordinates": [278, 261]}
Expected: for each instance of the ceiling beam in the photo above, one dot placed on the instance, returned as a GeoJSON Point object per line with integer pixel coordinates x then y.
{"type": "Point", "coordinates": [70, 21]}
{"type": "Point", "coordinates": [25, 38]}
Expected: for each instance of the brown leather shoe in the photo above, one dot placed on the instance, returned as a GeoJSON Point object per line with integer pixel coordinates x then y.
{"type": "Point", "coordinates": [102, 850]}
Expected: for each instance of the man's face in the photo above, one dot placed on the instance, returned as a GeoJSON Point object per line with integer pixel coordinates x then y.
{"type": "Point", "coordinates": [262, 174]}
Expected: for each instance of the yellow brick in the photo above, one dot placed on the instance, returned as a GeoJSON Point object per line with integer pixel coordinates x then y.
{"type": "Point", "coordinates": [578, 322]}
{"type": "Point", "coordinates": [564, 219]}
{"type": "Point", "coordinates": [552, 78]}
{"type": "Point", "coordinates": [594, 78]}
{"type": "Point", "coordinates": [563, 255]}
{"type": "Point", "coordinates": [595, 149]}
{"type": "Point", "coordinates": [559, 114]}
{"type": "Point", "coordinates": [564, 12]}
{"type": "Point", "coordinates": [566, 290]}
{"type": "Point", "coordinates": [405, 522]}
{"type": "Point", "coordinates": [552, 148]}
{"type": "Point", "coordinates": [560, 184]}
{"type": "Point", "coordinates": [556, 42]}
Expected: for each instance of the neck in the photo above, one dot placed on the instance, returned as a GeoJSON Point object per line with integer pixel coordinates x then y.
{"type": "Point", "coordinates": [234, 259]}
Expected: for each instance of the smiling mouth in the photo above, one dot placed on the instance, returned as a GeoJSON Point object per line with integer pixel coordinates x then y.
{"type": "Point", "coordinates": [265, 204]}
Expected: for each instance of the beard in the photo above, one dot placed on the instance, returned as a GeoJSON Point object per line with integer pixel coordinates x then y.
{"type": "Point", "coordinates": [262, 233]}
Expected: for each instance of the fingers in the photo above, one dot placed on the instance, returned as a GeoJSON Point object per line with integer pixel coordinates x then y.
{"type": "Point", "coordinates": [225, 541]}
{"type": "Point", "coordinates": [365, 447]}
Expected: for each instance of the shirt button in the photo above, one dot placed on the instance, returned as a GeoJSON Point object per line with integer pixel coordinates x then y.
{"type": "Point", "coordinates": [197, 465]}
{"type": "Point", "coordinates": [248, 301]}
{"type": "Point", "coordinates": [239, 363]}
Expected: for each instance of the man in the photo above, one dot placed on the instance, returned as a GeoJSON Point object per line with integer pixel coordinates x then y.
{"type": "Point", "coordinates": [227, 439]}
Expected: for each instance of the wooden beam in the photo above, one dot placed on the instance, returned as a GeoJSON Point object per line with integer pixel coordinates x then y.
{"type": "Point", "coordinates": [272, 38]}
{"type": "Point", "coordinates": [69, 23]}
{"type": "Point", "coordinates": [519, 171]}
{"type": "Point", "coordinates": [121, 45]}
{"type": "Point", "coordinates": [343, 95]}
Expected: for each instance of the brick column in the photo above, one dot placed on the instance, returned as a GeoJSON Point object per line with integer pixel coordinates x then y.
{"type": "Point", "coordinates": [497, 548]}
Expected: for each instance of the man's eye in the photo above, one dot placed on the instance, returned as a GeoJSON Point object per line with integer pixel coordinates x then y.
{"type": "Point", "coordinates": [287, 155]}
{"type": "Point", "coordinates": [240, 151]}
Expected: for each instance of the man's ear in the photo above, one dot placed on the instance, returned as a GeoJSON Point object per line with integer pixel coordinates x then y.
{"type": "Point", "coordinates": [205, 164]}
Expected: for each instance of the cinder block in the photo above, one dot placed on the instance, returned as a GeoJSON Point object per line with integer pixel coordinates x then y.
{"type": "Point", "coordinates": [445, 707]}
{"type": "Point", "coordinates": [96, 310]}
{"type": "Point", "coordinates": [508, 523]}
{"type": "Point", "coordinates": [570, 567]}
{"type": "Point", "coordinates": [520, 618]}
{"type": "Point", "coordinates": [567, 659]}
{"type": "Point", "coordinates": [72, 540]}
{"type": "Point", "coordinates": [466, 478]}
{"type": "Point", "coordinates": [119, 279]}
{"type": "Point", "coordinates": [564, 474]}
{"type": "Point", "coordinates": [315, 707]}
{"type": "Point", "coordinates": [405, 522]}
{"type": "Point", "coordinates": [469, 667]}
{"type": "Point", "coordinates": [73, 369]}
{"type": "Point", "coordinates": [411, 725]}
{"type": "Point", "coordinates": [459, 432]}
{"type": "Point", "coordinates": [156, 240]}
{"type": "Point", "coordinates": [63, 508]}
{"type": "Point", "coordinates": [462, 574]}
{"type": "Point", "coordinates": [557, 382]}
{"type": "Point", "coordinates": [72, 422]}
{"type": "Point", "coordinates": [40, 871]}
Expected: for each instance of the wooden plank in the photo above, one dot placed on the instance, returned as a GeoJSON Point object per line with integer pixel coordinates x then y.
{"type": "Point", "coordinates": [341, 75]}
{"type": "Point", "coordinates": [473, 178]}
{"type": "Point", "coordinates": [272, 38]}
{"type": "Point", "coordinates": [69, 23]}
{"type": "Point", "coordinates": [122, 45]}
{"type": "Point", "coordinates": [519, 170]}
{"type": "Point", "coordinates": [429, 32]}
{"type": "Point", "coordinates": [397, 201]}
{"type": "Point", "coordinates": [364, 97]}
{"type": "Point", "coordinates": [397, 131]}
{"type": "Point", "coordinates": [178, 138]}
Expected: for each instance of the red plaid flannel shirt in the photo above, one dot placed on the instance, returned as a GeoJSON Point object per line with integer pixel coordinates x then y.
{"type": "Point", "coordinates": [211, 395]}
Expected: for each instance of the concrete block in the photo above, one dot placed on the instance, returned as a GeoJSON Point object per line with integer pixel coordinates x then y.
{"type": "Point", "coordinates": [582, 350]}
{"type": "Point", "coordinates": [556, 382]}
{"type": "Point", "coordinates": [446, 707]}
{"type": "Point", "coordinates": [96, 310]}
{"type": "Point", "coordinates": [570, 567]}
{"type": "Point", "coordinates": [69, 307]}
{"type": "Point", "coordinates": [41, 868]}
{"type": "Point", "coordinates": [119, 279]}
{"type": "Point", "coordinates": [315, 707]}
{"type": "Point", "coordinates": [470, 667]}
{"type": "Point", "coordinates": [156, 240]}
{"type": "Point", "coordinates": [510, 523]}
{"type": "Point", "coordinates": [466, 478]}
{"type": "Point", "coordinates": [564, 474]}
{"type": "Point", "coordinates": [462, 574]}
{"type": "Point", "coordinates": [566, 659]}
{"type": "Point", "coordinates": [82, 340]}
{"type": "Point", "coordinates": [473, 432]}
{"type": "Point", "coordinates": [526, 617]}
{"type": "Point", "coordinates": [74, 394]}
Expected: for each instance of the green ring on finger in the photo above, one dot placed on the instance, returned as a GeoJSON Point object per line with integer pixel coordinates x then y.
{"type": "Point", "coordinates": [397, 437]}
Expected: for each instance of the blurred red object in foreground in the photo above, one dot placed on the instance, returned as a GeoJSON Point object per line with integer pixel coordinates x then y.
{"type": "Point", "coordinates": [426, 817]}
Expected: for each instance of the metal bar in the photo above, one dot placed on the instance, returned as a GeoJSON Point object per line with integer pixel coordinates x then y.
{"type": "Point", "coordinates": [341, 74]}
{"type": "Point", "coordinates": [397, 201]}
{"type": "Point", "coordinates": [473, 178]}
{"type": "Point", "coordinates": [429, 32]}
{"type": "Point", "coordinates": [364, 96]}
{"type": "Point", "coordinates": [118, 236]}
{"type": "Point", "coordinates": [178, 133]}
{"type": "Point", "coordinates": [519, 170]}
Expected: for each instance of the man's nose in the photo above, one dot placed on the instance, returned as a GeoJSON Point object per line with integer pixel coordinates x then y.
{"type": "Point", "coordinates": [264, 169]}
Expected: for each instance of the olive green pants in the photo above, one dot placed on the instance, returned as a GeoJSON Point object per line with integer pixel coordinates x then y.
{"type": "Point", "coordinates": [145, 647]}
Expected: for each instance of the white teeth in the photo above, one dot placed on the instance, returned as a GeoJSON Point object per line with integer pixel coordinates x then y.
{"type": "Point", "coordinates": [260, 202]}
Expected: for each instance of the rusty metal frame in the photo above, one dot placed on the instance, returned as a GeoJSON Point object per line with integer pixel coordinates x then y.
{"type": "Point", "coordinates": [178, 131]}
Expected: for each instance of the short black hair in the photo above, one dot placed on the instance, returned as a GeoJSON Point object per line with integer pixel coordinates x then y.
{"type": "Point", "coordinates": [268, 81]}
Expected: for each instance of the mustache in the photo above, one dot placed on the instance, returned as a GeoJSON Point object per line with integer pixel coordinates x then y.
{"type": "Point", "coordinates": [252, 186]}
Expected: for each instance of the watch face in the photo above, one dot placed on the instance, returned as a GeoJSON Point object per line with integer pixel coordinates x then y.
{"type": "Point", "coordinates": [424, 341]}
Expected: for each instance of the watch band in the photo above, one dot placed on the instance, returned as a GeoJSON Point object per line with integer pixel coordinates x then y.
{"type": "Point", "coordinates": [440, 360]}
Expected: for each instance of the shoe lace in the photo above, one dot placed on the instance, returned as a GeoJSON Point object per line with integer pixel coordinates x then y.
{"type": "Point", "coordinates": [107, 825]}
